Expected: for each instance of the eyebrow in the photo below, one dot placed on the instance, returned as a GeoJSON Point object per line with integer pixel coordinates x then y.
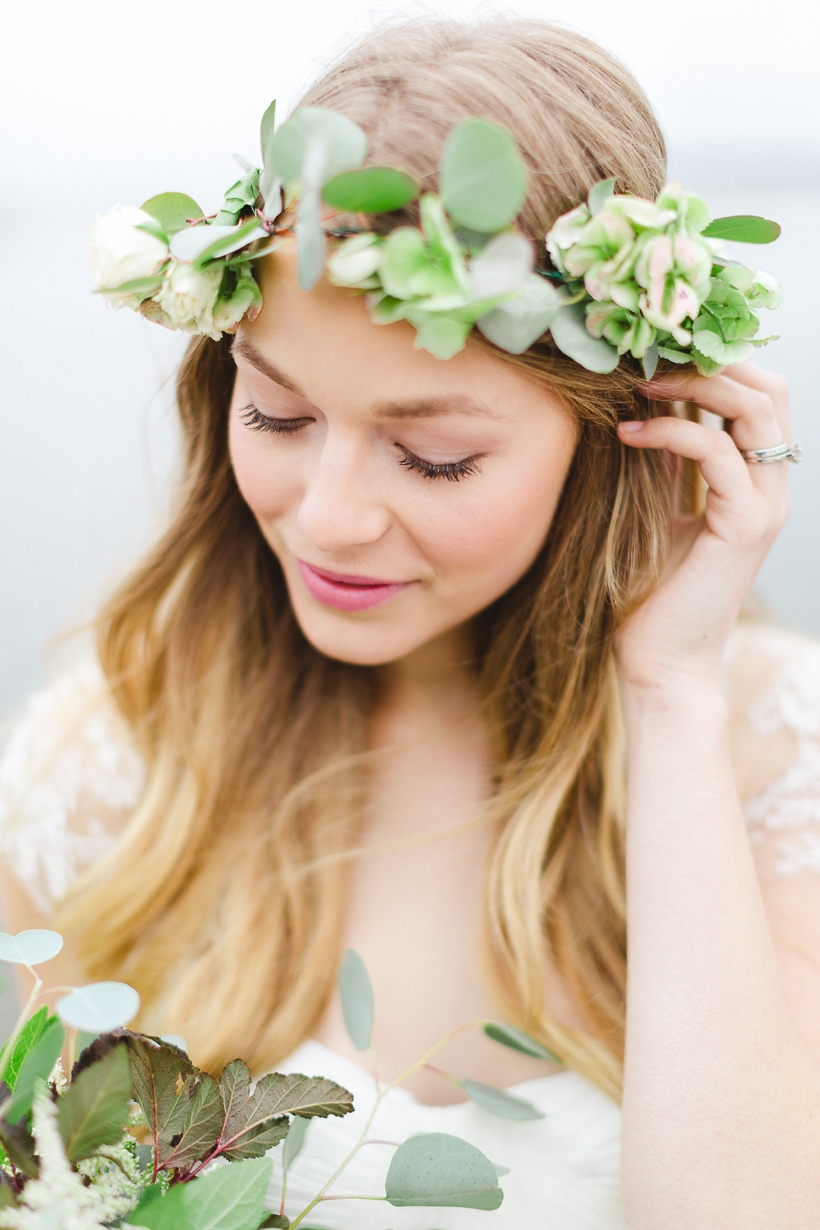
{"type": "Point", "coordinates": [417, 408]}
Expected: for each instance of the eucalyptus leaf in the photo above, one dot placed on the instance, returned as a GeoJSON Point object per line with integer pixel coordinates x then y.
{"type": "Point", "coordinates": [267, 129]}
{"type": "Point", "coordinates": [500, 1170]}
{"type": "Point", "coordinates": [229, 1198]}
{"type": "Point", "coordinates": [517, 1040]}
{"type": "Point", "coordinates": [650, 361]}
{"type": "Point", "coordinates": [328, 140]}
{"type": "Point", "coordinates": [37, 1065]}
{"type": "Point", "coordinates": [93, 1111]}
{"type": "Point", "coordinates": [370, 190]}
{"type": "Point", "coordinates": [203, 243]}
{"type": "Point", "coordinates": [436, 1169]}
{"type": "Point", "coordinates": [99, 1007]}
{"type": "Point", "coordinates": [294, 1141]}
{"type": "Point", "coordinates": [743, 228]}
{"type": "Point", "coordinates": [516, 325]}
{"type": "Point", "coordinates": [311, 240]}
{"type": "Point", "coordinates": [356, 993]}
{"type": "Point", "coordinates": [173, 210]}
{"type": "Point", "coordinates": [599, 194]}
{"type": "Point", "coordinates": [483, 178]}
{"type": "Point", "coordinates": [504, 265]}
{"type": "Point", "coordinates": [30, 947]}
{"type": "Point", "coordinates": [571, 336]}
{"type": "Point", "coordinates": [499, 1102]}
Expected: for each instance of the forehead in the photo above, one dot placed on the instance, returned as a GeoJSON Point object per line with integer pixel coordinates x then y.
{"type": "Point", "coordinates": [324, 342]}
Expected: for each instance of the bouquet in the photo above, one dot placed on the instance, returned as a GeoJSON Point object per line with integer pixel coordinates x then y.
{"type": "Point", "coordinates": [136, 1135]}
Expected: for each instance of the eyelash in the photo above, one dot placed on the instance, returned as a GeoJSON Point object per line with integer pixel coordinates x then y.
{"type": "Point", "coordinates": [254, 420]}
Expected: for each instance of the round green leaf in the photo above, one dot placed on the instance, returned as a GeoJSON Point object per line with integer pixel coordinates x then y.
{"type": "Point", "coordinates": [99, 1007]}
{"type": "Point", "coordinates": [502, 266]}
{"type": "Point", "coordinates": [483, 177]}
{"type": "Point", "coordinates": [370, 190]}
{"type": "Point", "coordinates": [599, 194]}
{"type": "Point", "coordinates": [436, 1169]}
{"type": "Point", "coordinates": [571, 336]}
{"type": "Point", "coordinates": [441, 335]}
{"type": "Point", "coordinates": [341, 145]}
{"type": "Point", "coordinates": [743, 228]}
{"type": "Point", "coordinates": [515, 325]}
{"type": "Point", "coordinates": [197, 243]}
{"type": "Point", "coordinates": [294, 1141]}
{"type": "Point", "coordinates": [517, 1040]}
{"type": "Point", "coordinates": [172, 210]}
{"type": "Point", "coordinates": [498, 1102]}
{"type": "Point", "coordinates": [30, 947]}
{"type": "Point", "coordinates": [227, 1198]}
{"type": "Point", "coordinates": [356, 993]}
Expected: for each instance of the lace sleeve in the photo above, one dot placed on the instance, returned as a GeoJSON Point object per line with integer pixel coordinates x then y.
{"type": "Point", "coordinates": [777, 676]}
{"type": "Point", "coordinates": [68, 780]}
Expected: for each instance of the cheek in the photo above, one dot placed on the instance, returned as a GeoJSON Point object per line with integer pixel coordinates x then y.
{"type": "Point", "coordinates": [267, 485]}
{"type": "Point", "coordinates": [495, 532]}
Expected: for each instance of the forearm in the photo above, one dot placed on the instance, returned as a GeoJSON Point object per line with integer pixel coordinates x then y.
{"type": "Point", "coordinates": [721, 1099]}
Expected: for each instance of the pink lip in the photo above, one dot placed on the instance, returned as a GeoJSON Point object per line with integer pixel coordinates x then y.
{"type": "Point", "coordinates": [345, 591]}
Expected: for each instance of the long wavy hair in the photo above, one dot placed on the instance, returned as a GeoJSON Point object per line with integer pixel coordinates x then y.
{"type": "Point", "coordinates": [223, 901]}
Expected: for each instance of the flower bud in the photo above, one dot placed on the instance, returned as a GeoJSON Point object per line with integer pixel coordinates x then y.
{"type": "Point", "coordinates": [121, 252]}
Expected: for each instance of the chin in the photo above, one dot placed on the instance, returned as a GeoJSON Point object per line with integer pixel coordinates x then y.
{"type": "Point", "coordinates": [362, 647]}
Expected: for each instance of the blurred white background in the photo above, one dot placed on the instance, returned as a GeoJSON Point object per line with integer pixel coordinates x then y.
{"type": "Point", "coordinates": [106, 102]}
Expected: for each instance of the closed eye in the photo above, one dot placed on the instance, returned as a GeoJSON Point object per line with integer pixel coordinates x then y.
{"type": "Point", "coordinates": [255, 420]}
{"type": "Point", "coordinates": [451, 470]}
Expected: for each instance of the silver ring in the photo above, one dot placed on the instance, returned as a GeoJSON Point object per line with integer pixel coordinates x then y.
{"type": "Point", "coordinates": [780, 452]}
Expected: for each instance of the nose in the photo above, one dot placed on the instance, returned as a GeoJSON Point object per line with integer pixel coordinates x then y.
{"type": "Point", "coordinates": [342, 504]}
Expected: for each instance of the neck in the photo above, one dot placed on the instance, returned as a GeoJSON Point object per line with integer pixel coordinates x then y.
{"type": "Point", "coordinates": [439, 675]}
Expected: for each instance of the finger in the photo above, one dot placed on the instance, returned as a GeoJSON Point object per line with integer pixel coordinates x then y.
{"type": "Point", "coordinates": [767, 382]}
{"type": "Point", "coordinates": [750, 410]}
{"type": "Point", "coordinates": [723, 468]}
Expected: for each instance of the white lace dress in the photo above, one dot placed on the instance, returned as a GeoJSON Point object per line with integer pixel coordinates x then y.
{"type": "Point", "coordinates": [69, 778]}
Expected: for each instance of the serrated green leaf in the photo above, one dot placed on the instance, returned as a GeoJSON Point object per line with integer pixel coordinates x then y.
{"type": "Point", "coordinates": [276, 1221]}
{"type": "Point", "coordinates": [156, 1067]}
{"type": "Point", "coordinates": [173, 210]}
{"type": "Point", "coordinates": [743, 228]}
{"type": "Point", "coordinates": [99, 1007]}
{"type": "Point", "coordinates": [36, 1065]}
{"type": "Point", "coordinates": [31, 947]}
{"type": "Point", "coordinates": [31, 1032]}
{"type": "Point", "coordinates": [294, 1094]}
{"type": "Point", "coordinates": [499, 1102]}
{"type": "Point", "coordinates": [193, 1127]}
{"type": "Point", "coordinates": [356, 994]}
{"type": "Point", "coordinates": [599, 194]}
{"type": "Point", "coordinates": [483, 178]}
{"type": "Point", "coordinates": [314, 145]}
{"type": "Point", "coordinates": [370, 190]}
{"type": "Point", "coordinates": [93, 1111]}
{"type": "Point", "coordinates": [517, 1040]}
{"type": "Point", "coordinates": [571, 336]}
{"type": "Point", "coordinates": [436, 1169]}
{"type": "Point", "coordinates": [230, 1198]}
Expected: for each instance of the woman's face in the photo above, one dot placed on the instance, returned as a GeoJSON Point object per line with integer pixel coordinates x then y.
{"type": "Point", "coordinates": [402, 494]}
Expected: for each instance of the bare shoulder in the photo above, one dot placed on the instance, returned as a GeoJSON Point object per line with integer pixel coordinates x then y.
{"type": "Point", "coordinates": [69, 779]}
{"type": "Point", "coordinates": [773, 688]}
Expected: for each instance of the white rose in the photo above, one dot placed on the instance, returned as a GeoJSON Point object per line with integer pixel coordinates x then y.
{"type": "Point", "coordinates": [188, 296]}
{"type": "Point", "coordinates": [120, 252]}
{"type": "Point", "coordinates": [355, 261]}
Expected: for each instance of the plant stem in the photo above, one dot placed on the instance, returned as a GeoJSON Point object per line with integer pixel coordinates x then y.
{"type": "Point", "coordinates": [380, 1095]}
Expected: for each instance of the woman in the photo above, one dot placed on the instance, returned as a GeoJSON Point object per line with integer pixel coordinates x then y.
{"type": "Point", "coordinates": [417, 670]}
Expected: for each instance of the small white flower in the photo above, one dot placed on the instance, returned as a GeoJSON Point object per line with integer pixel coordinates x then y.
{"type": "Point", "coordinates": [188, 297]}
{"type": "Point", "coordinates": [355, 261]}
{"type": "Point", "coordinates": [121, 253]}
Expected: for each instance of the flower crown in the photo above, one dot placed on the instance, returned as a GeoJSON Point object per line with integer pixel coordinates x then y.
{"type": "Point", "coordinates": [618, 275]}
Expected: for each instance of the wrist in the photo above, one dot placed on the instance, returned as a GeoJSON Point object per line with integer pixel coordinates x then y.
{"type": "Point", "coordinates": [680, 698]}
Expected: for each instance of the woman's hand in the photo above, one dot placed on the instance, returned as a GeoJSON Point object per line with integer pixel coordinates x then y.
{"type": "Point", "coordinates": [677, 636]}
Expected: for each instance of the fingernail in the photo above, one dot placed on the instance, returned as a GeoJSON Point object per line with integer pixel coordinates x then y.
{"type": "Point", "coordinates": [631, 425]}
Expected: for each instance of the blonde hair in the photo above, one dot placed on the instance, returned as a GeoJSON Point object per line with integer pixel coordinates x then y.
{"type": "Point", "coordinates": [222, 903]}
